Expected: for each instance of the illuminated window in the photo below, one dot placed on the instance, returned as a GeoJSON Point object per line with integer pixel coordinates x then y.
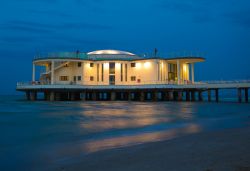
{"type": "Point", "coordinates": [64, 78]}
{"type": "Point", "coordinates": [121, 72]}
{"type": "Point", "coordinates": [97, 72]}
{"type": "Point", "coordinates": [172, 71]}
{"type": "Point", "coordinates": [133, 78]}
{"type": "Point", "coordinates": [91, 64]}
{"type": "Point", "coordinates": [102, 72]}
{"type": "Point", "coordinates": [133, 65]}
{"type": "Point", "coordinates": [111, 68]}
{"type": "Point", "coordinates": [91, 78]}
{"type": "Point", "coordinates": [126, 72]}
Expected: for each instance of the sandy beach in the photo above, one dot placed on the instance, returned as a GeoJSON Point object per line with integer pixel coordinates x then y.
{"type": "Point", "coordinates": [227, 150]}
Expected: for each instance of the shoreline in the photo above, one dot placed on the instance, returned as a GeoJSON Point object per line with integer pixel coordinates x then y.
{"type": "Point", "coordinates": [227, 150]}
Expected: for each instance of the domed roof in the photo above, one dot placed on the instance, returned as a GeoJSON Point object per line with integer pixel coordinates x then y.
{"type": "Point", "coordinates": [110, 52]}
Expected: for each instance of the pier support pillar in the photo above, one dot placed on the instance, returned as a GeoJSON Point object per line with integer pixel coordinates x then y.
{"type": "Point", "coordinates": [155, 95]}
{"type": "Point", "coordinates": [142, 96]}
{"type": "Point", "coordinates": [165, 96]}
{"type": "Point", "coordinates": [83, 96]}
{"type": "Point", "coordinates": [239, 95]}
{"type": "Point", "coordinates": [52, 96]}
{"type": "Point", "coordinates": [58, 96]}
{"type": "Point", "coordinates": [209, 95]}
{"type": "Point", "coordinates": [200, 96]}
{"type": "Point", "coordinates": [93, 96]}
{"type": "Point", "coordinates": [187, 95]}
{"type": "Point", "coordinates": [217, 95]}
{"type": "Point", "coordinates": [72, 96]}
{"type": "Point", "coordinates": [179, 98]}
{"type": "Point", "coordinates": [46, 96]}
{"type": "Point", "coordinates": [113, 96]}
{"type": "Point", "coordinates": [246, 95]}
{"type": "Point", "coordinates": [27, 95]}
{"type": "Point", "coordinates": [129, 96]}
{"type": "Point", "coordinates": [171, 95]}
{"type": "Point", "coordinates": [193, 95]}
{"type": "Point", "coordinates": [33, 96]}
{"type": "Point", "coordinates": [122, 96]}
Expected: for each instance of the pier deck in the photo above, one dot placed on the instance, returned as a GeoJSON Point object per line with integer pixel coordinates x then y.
{"type": "Point", "coordinates": [155, 92]}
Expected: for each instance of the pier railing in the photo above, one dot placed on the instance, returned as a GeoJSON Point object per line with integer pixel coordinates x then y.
{"type": "Point", "coordinates": [89, 83]}
{"type": "Point", "coordinates": [226, 82]}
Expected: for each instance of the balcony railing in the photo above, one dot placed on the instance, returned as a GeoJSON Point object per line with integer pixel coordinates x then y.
{"type": "Point", "coordinates": [65, 55]}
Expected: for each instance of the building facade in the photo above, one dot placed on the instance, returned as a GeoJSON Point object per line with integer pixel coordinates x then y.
{"type": "Point", "coordinates": [112, 67]}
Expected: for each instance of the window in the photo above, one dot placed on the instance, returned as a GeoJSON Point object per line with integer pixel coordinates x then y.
{"type": "Point", "coordinates": [91, 78]}
{"type": "Point", "coordinates": [112, 79]}
{"type": "Point", "coordinates": [111, 68]}
{"type": "Point", "coordinates": [79, 78]}
{"type": "Point", "coordinates": [74, 78]}
{"type": "Point", "coordinates": [158, 66]}
{"type": "Point", "coordinates": [102, 72]}
{"type": "Point", "coordinates": [126, 72]}
{"type": "Point", "coordinates": [172, 71]}
{"type": "Point", "coordinates": [132, 64]}
{"type": "Point", "coordinates": [121, 72]}
{"type": "Point", "coordinates": [98, 72]}
{"type": "Point", "coordinates": [133, 78]}
{"type": "Point", "coordinates": [91, 64]}
{"type": "Point", "coordinates": [64, 78]}
{"type": "Point", "coordinates": [79, 64]}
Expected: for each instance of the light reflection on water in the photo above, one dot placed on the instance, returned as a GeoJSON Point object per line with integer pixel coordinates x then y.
{"type": "Point", "coordinates": [52, 132]}
{"type": "Point", "coordinates": [97, 145]}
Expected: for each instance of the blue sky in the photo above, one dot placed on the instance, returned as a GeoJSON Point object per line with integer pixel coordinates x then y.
{"type": "Point", "coordinates": [220, 29]}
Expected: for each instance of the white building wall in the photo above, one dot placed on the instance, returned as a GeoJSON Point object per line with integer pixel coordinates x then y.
{"type": "Point", "coordinates": [151, 71]}
{"type": "Point", "coordinates": [70, 71]}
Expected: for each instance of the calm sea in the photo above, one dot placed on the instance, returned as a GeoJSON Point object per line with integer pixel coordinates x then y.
{"type": "Point", "coordinates": [42, 135]}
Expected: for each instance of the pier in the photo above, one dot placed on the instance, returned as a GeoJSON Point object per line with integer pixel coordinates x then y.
{"type": "Point", "coordinates": [114, 75]}
{"type": "Point", "coordinates": [153, 92]}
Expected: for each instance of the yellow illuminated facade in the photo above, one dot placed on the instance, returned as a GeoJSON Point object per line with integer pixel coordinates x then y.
{"type": "Point", "coordinates": [112, 67]}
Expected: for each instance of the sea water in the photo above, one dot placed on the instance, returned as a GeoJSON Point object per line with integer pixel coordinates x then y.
{"type": "Point", "coordinates": [41, 135]}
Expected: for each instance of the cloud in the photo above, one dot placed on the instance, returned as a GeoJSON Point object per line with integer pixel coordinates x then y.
{"type": "Point", "coordinates": [49, 12]}
{"type": "Point", "coordinates": [16, 39]}
{"type": "Point", "coordinates": [203, 11]}
{"type": "Point", "coordinates": [241, 17]}
{"type": "Point", "coordinates": [35, 27]}
{"type": "Point", "coordinates": [198, 11]}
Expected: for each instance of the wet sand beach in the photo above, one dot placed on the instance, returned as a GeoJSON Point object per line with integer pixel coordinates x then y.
{"type": "Point", "coordinates": [227, 150]}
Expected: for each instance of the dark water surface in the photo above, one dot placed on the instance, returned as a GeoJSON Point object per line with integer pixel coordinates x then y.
{"type": "Point", "coordinates": [43, 135]}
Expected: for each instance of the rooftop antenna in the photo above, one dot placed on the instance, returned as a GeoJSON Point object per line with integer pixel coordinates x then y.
{"type": "Point", "coordinates": [155, 52]}
{"type": "Point", "coordinates": [77, 53]}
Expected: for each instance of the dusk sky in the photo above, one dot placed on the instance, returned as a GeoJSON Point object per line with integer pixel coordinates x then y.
{"type": "Point", "coordinates": [220, 29]}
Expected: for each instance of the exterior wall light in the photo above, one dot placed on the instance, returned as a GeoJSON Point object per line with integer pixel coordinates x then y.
{"type": "Point", "coordinates": [147, 64]}
{"type": "Point", "coordinates": [138, 65]}
{"type": "Point", "coordinates": [185, 68]}
{"type": "Point", "coordinates": [106, 65]}
{"type": "Point", "coordinates": [117, 65]}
